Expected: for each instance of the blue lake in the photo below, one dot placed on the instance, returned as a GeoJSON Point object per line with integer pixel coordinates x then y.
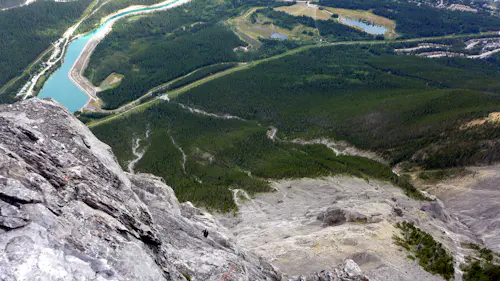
{"type": "Point", "coordinates": [59, 86]}
{"type": "Point", "coordinates": [368, 28]}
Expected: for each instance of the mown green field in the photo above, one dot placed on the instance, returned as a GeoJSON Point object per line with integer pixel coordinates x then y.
{"type": "Point", "coordinates": [416, 20]}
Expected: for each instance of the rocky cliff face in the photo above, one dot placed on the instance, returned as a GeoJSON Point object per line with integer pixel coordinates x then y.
{"type": "Point", "coordinates": [69, 212]}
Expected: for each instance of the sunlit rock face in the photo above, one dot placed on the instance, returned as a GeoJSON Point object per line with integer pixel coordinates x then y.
{"type": "Point", "coordinates": [69, 212]}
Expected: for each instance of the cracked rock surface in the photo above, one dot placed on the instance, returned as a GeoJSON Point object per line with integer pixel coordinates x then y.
{"type": "Point", "coordinates": [69, 212]}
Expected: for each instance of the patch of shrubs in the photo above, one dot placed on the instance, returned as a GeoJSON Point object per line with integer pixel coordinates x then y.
{"type": "Point", "coordinates": [483, 268]}
{"type": "Point", "coordinates": [430, 254]}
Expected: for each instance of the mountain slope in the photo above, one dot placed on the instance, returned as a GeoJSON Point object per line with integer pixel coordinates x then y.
{"type": "Point", "coordinates": [68, 211]}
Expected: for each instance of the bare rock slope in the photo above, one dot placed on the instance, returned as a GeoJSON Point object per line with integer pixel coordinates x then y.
{"type": "Point", "coordinates": [312, 224]}
{"type": "Point", "coordinates": [69, 212]}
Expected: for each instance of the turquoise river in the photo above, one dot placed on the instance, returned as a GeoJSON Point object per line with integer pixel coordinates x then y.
{"type": "Point", "coordinates": [59, 86]}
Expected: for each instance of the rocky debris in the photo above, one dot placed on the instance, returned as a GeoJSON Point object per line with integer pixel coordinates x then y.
{"type": "Point", "coordinates": [11, 217]}
{"type": "Point", "coordinates": [294, 237]}
{"type": "Point", "coordinates": [349, 271]}
{"type": "Point", "coordinates": [336, 216]}
{"type": "Point", "coordinates": [351, 268]}
{"type": "Point", "coordinates": [398, 211]}
{"type": "Point", "coordinates": [332, 216]}
{"type": "Point", "coordinates": [473, 200]}
{"type": "Point", "coordinates": [69, 212]}
{"type": "Point", "coordinates": [436, 210]}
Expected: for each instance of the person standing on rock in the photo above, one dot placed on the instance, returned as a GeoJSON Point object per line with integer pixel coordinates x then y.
{"type": "Point", "coordinates": [205, 233]}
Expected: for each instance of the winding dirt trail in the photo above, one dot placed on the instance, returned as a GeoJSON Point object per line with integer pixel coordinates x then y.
{"type": "Point", "coordinates": [184, 156]}
{"type": "Point", "coordinates": [138, 154]}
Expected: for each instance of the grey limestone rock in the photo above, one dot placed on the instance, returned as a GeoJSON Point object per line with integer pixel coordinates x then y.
{"type": "Point", "coordinates": [437, 210]}
{"type": "Point", "coordinates": [351, 268]}
{"type": "Point", "coordinates": [332, 216]}
{"type": "Point", "coordinates": [336, 216]}
{"type": "Point", "coordinates": [69, 212]}
{"type": "Point", "coordinates": [349, 271]}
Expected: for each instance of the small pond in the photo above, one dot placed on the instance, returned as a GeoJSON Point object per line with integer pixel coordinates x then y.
{"type": "Point", "coordinates": [367, 27]}
{"type": "Point", "coordinates": [278, 36]}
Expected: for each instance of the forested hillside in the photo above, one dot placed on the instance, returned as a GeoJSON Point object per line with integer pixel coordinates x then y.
{"type": "Point", "coordinates": [152, 50]}
{"type": "Point", "coordinates": [107, 8]}
{"type": "Point", "coordinates": [27, 31]}
{"type": "Point", "coordinates": [397, 105]}
{"type": "Point", "coordinates": [406, 108]}
{"type": "Point", "coordinates": [204, 157]}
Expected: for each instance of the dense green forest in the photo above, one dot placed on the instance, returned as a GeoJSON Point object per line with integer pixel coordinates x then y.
{"type": "Point", "coordinates": [223, 154]}
{"type": "Point", "coordinates": [400, 106]}
{"type": "Point", "coordinates": [155, 49]}
{"type": "Point", "coordinates": [200, 74]}
{"type": "Point", "coordinates": [110, 7]}
{"type": "Point", "coordinates": [430, 254]}
{"type": "Point", "coordinates": [478, 271]}
{"type": "Point", "coordinates": [330, 29]}
{"type": "Point", "coordinates": [421, 20]}
{"type": "Point", "coordinates": [27, 31]}
{"type": "Point", "coordinates": [484, 265]}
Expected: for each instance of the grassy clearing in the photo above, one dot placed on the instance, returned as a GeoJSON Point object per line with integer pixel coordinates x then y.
{"type": "Point", "coordinates": [134, 18]}
{"type": "Point", "coordinates": [435, 176]}
{"type": "Point", "coordinates": [241, 28]}
{"type": "Point", "coordinates": [256, 26]}
{"type": "Point", "coordinates": [326, 30]}
{"type": "Point", "coordinates": [302, 9]}
{"type": "Point", "coordinates": [415, 20]}
{"type": "Point", "coordinates": [326, 13]}
{"type": "Point", "coordinates": [112, 81]}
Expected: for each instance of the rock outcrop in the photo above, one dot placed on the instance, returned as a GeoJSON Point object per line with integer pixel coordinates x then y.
{"type": "Point", "coordinates": [336, 216]}
{"type": "Point", "coordinates": [309, 225]}
{"type": "Point", "coordinates": [350, 271]}
{"type": "Point", "coordinates": [69, 212]}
